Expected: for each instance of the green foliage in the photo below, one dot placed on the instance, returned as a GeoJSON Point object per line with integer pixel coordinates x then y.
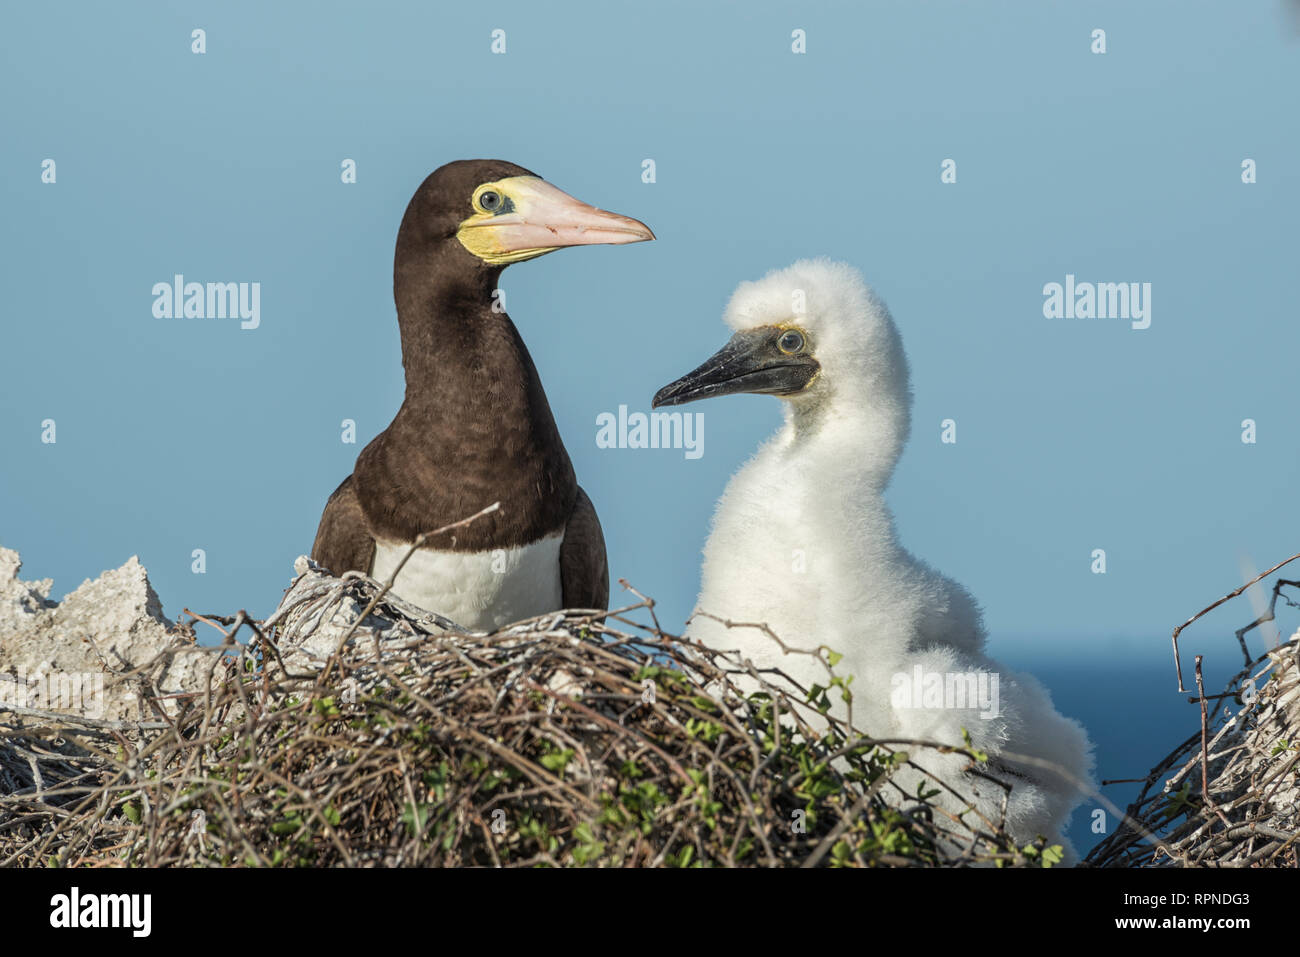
{"type": "Point", "coordinates": [557, 760]}
{"type": "Point", "coordinates": [1180, 803]}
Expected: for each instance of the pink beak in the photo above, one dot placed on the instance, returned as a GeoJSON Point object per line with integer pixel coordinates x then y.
{"type": "Point", "coordinates": [542, 218]}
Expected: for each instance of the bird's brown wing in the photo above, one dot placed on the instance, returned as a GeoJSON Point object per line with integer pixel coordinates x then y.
{"type": "Point", "coordinates": [344, 542]}
{"type": "Point", "coordinates": [584, 571]}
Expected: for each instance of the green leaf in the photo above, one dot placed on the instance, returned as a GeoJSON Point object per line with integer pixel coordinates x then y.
{"type": "Point", "coordinates": [841, 853]}
{"type": "Point", "coordinates": [981, 756]}
{"type": "Point", "coordinates": [415, 817]}
{"type": "Point", "coordinates": [289, 825]}
{"type": "Point", "coordinates": [557, 760]}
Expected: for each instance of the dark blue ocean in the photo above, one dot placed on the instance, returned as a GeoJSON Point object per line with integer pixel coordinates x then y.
{"type": "Point", "coordinates": [1126, 694]}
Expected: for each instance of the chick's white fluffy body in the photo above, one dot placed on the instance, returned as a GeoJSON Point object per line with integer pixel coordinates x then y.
{"type": "Point", "coordinates": [803, 541]}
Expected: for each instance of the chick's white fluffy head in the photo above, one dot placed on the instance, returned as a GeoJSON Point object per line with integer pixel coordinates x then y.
{"type": "Point", "coordinates": [848, 329]}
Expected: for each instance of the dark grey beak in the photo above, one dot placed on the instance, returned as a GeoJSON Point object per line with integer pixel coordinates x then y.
{"type": "Point", "coordinates": [750, 362]}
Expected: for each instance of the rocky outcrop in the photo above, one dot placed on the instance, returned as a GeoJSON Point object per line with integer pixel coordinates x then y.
{"type": "Point", "coordinates": [100, 654]}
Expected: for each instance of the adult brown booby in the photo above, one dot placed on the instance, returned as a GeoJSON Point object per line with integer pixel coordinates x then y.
{"type": "Point", "coordinates": [475, 427]}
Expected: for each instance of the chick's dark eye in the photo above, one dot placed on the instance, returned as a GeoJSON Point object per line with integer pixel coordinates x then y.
{"type": "Point", "coordinates": [790, 342]}
{"type": "Point", "coordinates": [490, 200]}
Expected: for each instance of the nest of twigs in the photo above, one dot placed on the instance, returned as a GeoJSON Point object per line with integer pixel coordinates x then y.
{"type": "Point", "coordinates": [348, 729]}
{"type": "Point", "coordinates": [1229, 795]}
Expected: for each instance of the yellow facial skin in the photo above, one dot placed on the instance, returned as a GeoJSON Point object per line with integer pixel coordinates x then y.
{"type": "Point", "coordinates": [532, 218]}
{"type": "Point", "coordinates": [486, 236]}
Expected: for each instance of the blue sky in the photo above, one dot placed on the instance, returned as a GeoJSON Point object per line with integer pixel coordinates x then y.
{"type": "Point", "coordinates": [1073, 435]}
